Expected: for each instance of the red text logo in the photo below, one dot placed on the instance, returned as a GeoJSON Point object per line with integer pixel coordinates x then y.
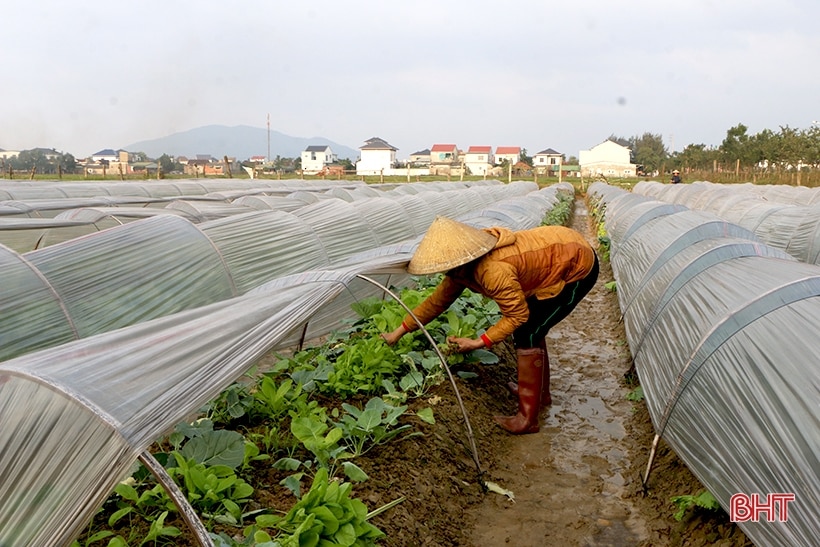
{"type": "Point", "coordinates": [774, 507]}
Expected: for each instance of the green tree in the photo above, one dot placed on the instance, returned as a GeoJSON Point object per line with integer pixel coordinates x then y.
{"type": "Point", "coordinates": [765, 150]}
{"type": "Point", "coordinates": [794, 149]}
{"type": "Point", "coordinates": [525, 157]}
{"type": "Point", "coordinates": [166, 163]}
{"type": "Point", "coordinates": [695, 156]}
{"type": "Point", "coordinates": [648, 150]}
{"type": "Point", "coordinates": [36, 158]}
{"type": "Point", "coordinates": [735, 147]}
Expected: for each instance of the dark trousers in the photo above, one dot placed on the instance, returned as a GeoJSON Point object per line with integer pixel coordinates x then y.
{"type": "Point", "coordinates": [545, 314]}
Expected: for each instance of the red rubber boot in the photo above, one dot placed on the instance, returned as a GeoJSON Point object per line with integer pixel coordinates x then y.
{"type": "Point", "coordinates": [530, 384]}
{"type": "Point", "coordinates": [546, 397]}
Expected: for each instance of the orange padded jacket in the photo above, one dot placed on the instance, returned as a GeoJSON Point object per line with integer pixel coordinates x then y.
{"type": "Point", "coordinates": [536, 262]}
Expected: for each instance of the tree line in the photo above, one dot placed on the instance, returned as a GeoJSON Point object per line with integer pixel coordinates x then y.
{"type": "Point", "coordinates": [788, 149]}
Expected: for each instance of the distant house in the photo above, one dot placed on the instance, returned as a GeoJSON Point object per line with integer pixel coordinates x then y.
{"type": "Point", "coordinates": [479, 160]}
{"type": "Point", "coordinates": [110, 156]}
{"type": "Point", "coordinates": [444, 158]}
{"type": "Point", "coordinates": [109, 161]}
{"type": "Point", "coordinates": [608, 159]}
{"type": "Point", "coordinates": [8, 154]}
{"type": "Point", "coordinates": [316, 157]}
{"type": "Point", "coordinates": [420, 158]}
{"type": "Point", "coordinates": [444, 154]}
{"type": "Point", "coordinates": [205, 165]}
{"type": "Point", "coordinates": [377, 156]}
{"type": "Point", "coordinates": [547, 162]}
{"type": "Point", "coordinates": [510, 153]}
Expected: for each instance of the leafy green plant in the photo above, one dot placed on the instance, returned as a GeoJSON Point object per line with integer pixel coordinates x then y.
{"type": "Point", "coordinates": [362, 366]}
{"type": "Point", "coordinates": [375, 424]}
{"type": "Point", "coordinates": [611, 286]}
{"type": "Point", "coordinates": [561, 212]}
{"type": "Point", "coordinates": [99, 536]}
{"type": "Point", "coordinates": [252, 454]}
{"type": "Point", "coordinates": [158, 530]}
{"type": "Point", "coordinates": [319, 438]}
{"type": "Point", "coordinates": [425, 371]}
{"type": "Point", "coordinates": [274, 401]}
{"type": "Point", "coordinates": [703, 499]}
{"type": "Point", "coordinates": [635, 395]}
{"type": "Point", "coordinates": [213, 489]}
{"type": "Point", "coordinates": [232, 403]}
{"type": "Point", "coordinates": [604, 243]}
{"type": "Point", "coordinates": [272, 439]}
{"type": "Point", "coordinates": [325, 515]}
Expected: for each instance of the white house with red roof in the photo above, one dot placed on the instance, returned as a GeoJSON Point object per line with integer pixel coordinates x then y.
{"type": "Point", "coordinates": [444, 154]}
{"type": "Point", "coordinates": [479, 160]}
{"type": "Point", "coordinates": [444, 159]}
{"type": "Point", "coordinates": [510, 153]}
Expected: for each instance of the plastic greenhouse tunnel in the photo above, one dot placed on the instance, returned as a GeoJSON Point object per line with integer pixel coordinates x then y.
{"type": "Point", "coordinates": [722, 328]}
{"type": "Point", "coordinates": [111, 339]}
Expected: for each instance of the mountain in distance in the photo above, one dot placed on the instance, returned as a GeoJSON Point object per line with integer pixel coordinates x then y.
{"type": "Point", "coordinates": [240, 142]}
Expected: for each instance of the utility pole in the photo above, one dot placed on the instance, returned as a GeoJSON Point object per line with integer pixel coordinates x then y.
{"type": "Point", "coordinates": [267, 160]}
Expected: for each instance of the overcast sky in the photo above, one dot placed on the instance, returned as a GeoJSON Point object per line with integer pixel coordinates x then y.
{"type": "Point", "coordinates": [81, 76]}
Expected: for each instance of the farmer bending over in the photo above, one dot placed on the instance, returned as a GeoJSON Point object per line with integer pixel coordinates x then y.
{"type": "Point", "coordinates": [536, 277]}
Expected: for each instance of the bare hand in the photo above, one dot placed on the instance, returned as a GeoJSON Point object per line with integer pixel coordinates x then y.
{"type": "Point", "coordinates": [392, 337]}
{"type": "Point", "coordinates": [464, 345]}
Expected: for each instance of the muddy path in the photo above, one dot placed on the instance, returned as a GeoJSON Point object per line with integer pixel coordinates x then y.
{"type": "Point", "coordinates": [578, 481]}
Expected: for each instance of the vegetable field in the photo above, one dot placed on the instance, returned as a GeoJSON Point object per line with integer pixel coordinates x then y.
{"type": "Point", "coordinates": [204, 367]}
{"type": "Point", "coordinates": [405, 455]}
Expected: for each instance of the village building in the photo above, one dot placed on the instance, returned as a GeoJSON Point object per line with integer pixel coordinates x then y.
{"type": "Point", "coordinates": [316, 158]}
{"type": "Point", "coordinates": [479, 160]}
{"type": "Point", "coordinates": [444, 159]}
{"type": "Point", "coordinates": [510, 154]}
{"type": "Point", "coordinates": [608, 159]}
{"type": "Point", "coordinates": [377, 157]}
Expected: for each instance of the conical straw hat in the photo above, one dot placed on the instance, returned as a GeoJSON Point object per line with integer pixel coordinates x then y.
{"type": "Point", "coordinates": [448, 244]}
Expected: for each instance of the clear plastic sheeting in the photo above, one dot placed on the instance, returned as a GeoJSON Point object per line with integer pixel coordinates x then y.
{"type": "Point", "coordinates": [165, 264]}
{"type": "Point", "coordinates": [33, 315]}
{"type": "Point", "coordinates": [74, 417]}
{"type": "Point", "coordinates": [198, 201]}
{"type": "Point", "coordinates": [133, 273]}
{"type": "Point", "coordinates": [207, 210]}
{"type": "Point", "coordinates": [520, 214]}
{"type": "Point", "coordinates": [722, 329]}
{"type": "Point", "coordinates": [658, 240]}
{"type": "Point", "coordinates": [782, 216]}
{"type": "Point", "coordinates": [52, 483]}
{"type": "Point", "coordinates": [269, 203]}
{"type": "Point", "coordinates": [258, 247]}
{"type": "Point", "coordinates": [26, 234]}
